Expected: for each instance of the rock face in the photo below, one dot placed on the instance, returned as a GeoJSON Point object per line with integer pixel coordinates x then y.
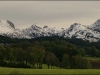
{"type": "Point", "coordinates": [6, 26]}
{"type": "Point", "coordinates": [76, 30]}
{"type": "Point", "coordinates": [7, 23]}
{"type": "Point", "coordinates": [96, 26]}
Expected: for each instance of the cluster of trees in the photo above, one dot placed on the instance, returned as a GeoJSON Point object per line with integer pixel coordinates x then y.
{"type": "Point", "coordinates": [53, 52]}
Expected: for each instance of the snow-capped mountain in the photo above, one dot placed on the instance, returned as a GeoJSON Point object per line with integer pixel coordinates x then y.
{"type": "Point", "coordinates": [35, 31]}
{"type": "Point", "coordinates": [76, 30]}
{"type": "Point", "coordinates": [82, 32]}
{"type": "Point", "coordinates": [7, 28]}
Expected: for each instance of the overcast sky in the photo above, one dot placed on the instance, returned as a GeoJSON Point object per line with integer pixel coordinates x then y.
{"type": "Point", "coordinates": [51, 13]}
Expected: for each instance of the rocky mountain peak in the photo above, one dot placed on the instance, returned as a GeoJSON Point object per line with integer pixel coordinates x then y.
{"type": "Point", "coordinates": [7, 23]}
{"type": "Point", "coordinates": [95, 26]}
{"type": "Point", "coordinates": [77, 26]}
{"type": "Point", "coordinates": [11, 24]}
{"type": "Point", "coordinates": [97, 23]}
{"type": "Point", "coordinates": [45, 27]}
{"type": "Point", "coordinates": [34, 26]}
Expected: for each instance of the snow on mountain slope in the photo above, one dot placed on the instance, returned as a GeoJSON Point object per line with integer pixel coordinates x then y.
{"type": "Point", "coordinates": [75, 28]}
{"type": "Point", "coordinates": [50, 31]}
{"type": "Point", "coordinates": [35, 31]}
{"type": "Point", "coordinates": [82, 32]}
{"type": "Point", "coordinates": [18, 34]}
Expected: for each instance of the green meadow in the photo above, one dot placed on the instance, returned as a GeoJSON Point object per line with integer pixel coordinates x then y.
{"type": "Point", "coordinates": [4, 70]}
{"type": "Point", "coordinates": [92, 58]}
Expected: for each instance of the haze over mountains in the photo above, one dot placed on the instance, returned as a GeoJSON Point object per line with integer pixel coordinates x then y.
{"type": "Point", "coordinates": [76, 30]}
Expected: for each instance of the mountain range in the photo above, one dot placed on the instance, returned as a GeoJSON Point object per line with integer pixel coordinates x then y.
{"type": "Point", "coordinates": [76, 30]}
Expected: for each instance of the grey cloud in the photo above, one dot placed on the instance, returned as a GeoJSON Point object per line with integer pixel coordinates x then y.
{"type": "Point", "coordinates": [49, 12]}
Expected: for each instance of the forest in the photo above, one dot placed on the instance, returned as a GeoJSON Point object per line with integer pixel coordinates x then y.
{"type": "Point", "coordinates": [52, 51]}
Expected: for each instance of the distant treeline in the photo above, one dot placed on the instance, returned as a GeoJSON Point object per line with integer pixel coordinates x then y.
{"type": "Point", "coordinates": [53, 51]}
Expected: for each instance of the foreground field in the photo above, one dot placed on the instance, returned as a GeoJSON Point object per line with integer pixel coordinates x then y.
{"type": "Point", "coordinates": [50, 71]}
{"type": "Point", "coordinates": [93, 58]}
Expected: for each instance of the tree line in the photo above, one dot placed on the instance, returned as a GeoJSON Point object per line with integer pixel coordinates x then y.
{"type": "Point", "coordinates": [55, 52]}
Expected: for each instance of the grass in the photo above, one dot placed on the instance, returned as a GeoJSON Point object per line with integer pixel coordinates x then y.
{"type": "Point", "coordinates": [44, 66]}
{"type": "Point", "coordinates": [4, 70]}
{"type": "Point", "coordinates": [92, 58]}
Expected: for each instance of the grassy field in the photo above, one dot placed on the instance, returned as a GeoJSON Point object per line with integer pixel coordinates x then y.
{"type": "Point", "coordinates": [44, 66]}
{"type": "Point", "coordinates": [92, 58]}
{"type": "Point", "coordinates": [4, 70]}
